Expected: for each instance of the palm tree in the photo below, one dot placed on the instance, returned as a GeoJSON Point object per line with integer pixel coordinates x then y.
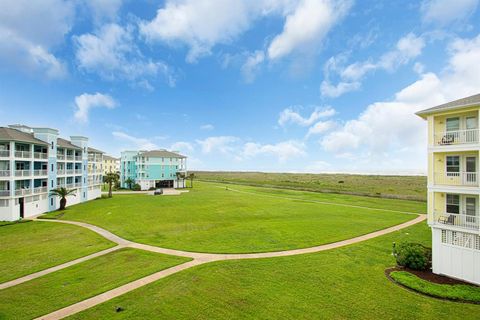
{"type": "Point", "coordinates": [62, 193]}
{"type": "Point", "coordinates": [191, 176]}
{"type": "Point", "coordinates": [111, 178]}
{"type": "Point", "coordinates": [129, 181]}
{"type": "Point", "coordinates": [180, 175]}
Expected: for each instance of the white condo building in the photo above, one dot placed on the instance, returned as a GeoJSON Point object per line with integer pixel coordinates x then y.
{"type": "Point", "coordinates": [34, 161]}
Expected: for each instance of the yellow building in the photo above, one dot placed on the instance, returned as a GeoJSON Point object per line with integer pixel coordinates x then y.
{"type": "Point", "coordinates": [110, 164]}
{"type": "Point", "coordinates": [453, 187]}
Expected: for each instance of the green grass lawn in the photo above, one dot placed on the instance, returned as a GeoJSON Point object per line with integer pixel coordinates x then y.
{"type": "Point", "coordinates": [213, 219]}
{"type": "Point", "coordinates": [76, 283]}
{"type": "Point", "coordinates": [454, 292]}
{"type": "Point", "coordinates": [345, 283]}
{"type": "Point", "coordinates": [403, 187]}
{"type": "Point", "coordinates": [33, 246]}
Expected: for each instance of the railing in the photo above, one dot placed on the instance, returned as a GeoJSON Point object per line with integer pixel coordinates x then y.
{"type": "Point", "coordinates": [60, 171]}
{"type": "Point", "coordinates": [4, 153]}
{"type": "Point", "coordinates": [70, 157]}
{"type": "Point", "coordinates": [40, 190]}
{"type": "Point", "coordinates": [4, 193]}
{"type": "Point", "coordinates": [456, 178]}
{"type": "Point", "coordinates": [78, 158]}
{"type": "Point", "coordinates": [60, 156]}
{"type": "Point", "coordinates": [40, 155]}
{"type": "Point", "coordinates": [70, 185]}
{"type": "Point", "coordinates": [456, 137]}
{"type": "Point", "coordinates": [70, 171]}
{"type": "Point", "coordinates": [40, 172]}
{"type": "Point", "coordinates": [23, 154]}
{"type": "Point", "coordinates": [22, 173]}
{"type": "Point", "coordinates": [78, 184]}
{"type": "Point", "coordinates": [22, 192]}
{"type": "Point", "coordinates": [4, 173]}
{"type": "Point", "coordinates": [78, 171]}
{"type": "Point", "coordinates": [457, 220]}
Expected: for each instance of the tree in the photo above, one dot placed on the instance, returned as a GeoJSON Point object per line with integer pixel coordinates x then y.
{"type": "Point", "coordinates": [62, 193]}
{"type": "Point", "coordinates": [129, 182]}
{"type": "Point", "coordinates": [180, 175]}
{"type": "Point", "coordinates": [111, 178]}
{"type": "Point", "coordinates": [191, 176]}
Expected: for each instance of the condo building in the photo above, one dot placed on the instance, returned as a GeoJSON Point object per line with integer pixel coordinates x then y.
{"type": "Point", "coordinates": [454, 187]}
{"type": "Point", "coordinates": [34, 161]}
{"type": "Point", "coordinates": [110, 164]}
{"type": "Point", "coordinates": [153, 169]}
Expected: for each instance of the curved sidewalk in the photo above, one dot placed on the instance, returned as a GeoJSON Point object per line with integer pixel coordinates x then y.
{"type": "Point", "coordinates": [198, 258]}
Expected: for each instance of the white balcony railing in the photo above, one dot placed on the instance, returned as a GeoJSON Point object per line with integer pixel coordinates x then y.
{"type": "Point", "coordinates": [70, 171]}
{"type": "Point", "coordinates": [457, 137]}
{"type": "Point", "coordinates": [456, 178]}
{"type": "Point", "coordinates": [22, 173]}
{"type": "Point", "coordinates": [78, 171]}
{"type": "Point", "coordinates": [70, 157]}
{"type": "Point", "coordinates": [4, 153]}
{"type": "Point", "coordinates": [5, 173]}
{"type": "Point", "coordinates": [22, 192]}
{"type": "Point", "coordinates": [40, 173]}
{"type": "Point", "coordinates": [78, 158]}
{"type": "Point", "coordinates": [60, 156]}
{"type": "Point", "coordinates": [457, 220]}
{"type": "Point", "coordinates": [70, 185]}
{"type": "Point", "coordinates": [60, 171]}
{"type": "Point", "coordinates": [4, 193]}
{"type": "Point", "coordinates": [40, 155]}
{"type": "Point", "coordinates": [40, 190]}
{"type": "Point", "coordinates": [23, 154]}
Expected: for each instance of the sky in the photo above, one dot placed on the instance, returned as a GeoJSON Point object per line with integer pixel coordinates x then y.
{"type": "Point", "coordinates": [282, 86]}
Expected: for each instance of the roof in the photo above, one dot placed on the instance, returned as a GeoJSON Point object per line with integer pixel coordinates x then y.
{"type": "Point", "coordinates": [62, 143]}
{"type": "Point", "coordinates": [105, 157]}
{"type": "Point", "coordinates": [456, 104]}
{"type": "Point", "coordinates": [94, 150]}
{"type": "Point", "coordinates": [8, 134]}
{"type": "Point", "coordinates": [161, 154]}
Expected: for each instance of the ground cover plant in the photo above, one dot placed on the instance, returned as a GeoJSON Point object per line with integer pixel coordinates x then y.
{"type": "Point", "coordinates": [403, 187]}
{"type": "Point", "coordinates": [344, 283]}
{"type": "Point", "coordinates": [33, 246]}
{"type": "Point", "coordinates": [76, 283]}
{"type": "Point", "coordinates": [446, 291]}
{"type": "Point", "coordinates": [212, 218]}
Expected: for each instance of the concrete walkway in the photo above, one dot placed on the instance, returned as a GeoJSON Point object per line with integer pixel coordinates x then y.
{"type": "Point", "coordinates": [198, 259]}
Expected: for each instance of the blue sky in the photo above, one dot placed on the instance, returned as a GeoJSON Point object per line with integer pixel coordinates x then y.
{"type": "Point", "coordinates": [291, 86]}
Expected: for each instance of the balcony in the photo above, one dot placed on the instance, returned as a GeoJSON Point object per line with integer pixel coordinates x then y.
{"type": "Point", "coordinates": [456, 137]}
{"type": "Point", "coordinates": [70, 157]}
{"type": "Point", "coordinates": [456, 220]}
{"type": "Point", "coordinates": [40, 155]}
{"type": "Point", "coordinates": [78, 158]}
{"type": "Point", "coordinates": [69, 171]}
{"type": "Point", "coordinates": [78, 171]}
{"type": "Point", "coordinates": [4, 193]}
{"type": "Point", "coordinates": [4, 153]}
{"type": "Point", "coordinates": [468, 179]}
{"type": "Point", "coordinates": [60, 156]}
{"type": "Point", "coordinates": [5, 173]}
{"type": "Point", "coordinates": [40, 173]}
{"type": "Point", "coordinates": [23, 154]}
{"type": "Point", "coordinates": [23, 192]}
{"type": "Point", "coordinates": [40, 190]}
{"type": "Point", "coordinates": [22, 173]}
{"type": "Point", "coordinates": [60, 171]}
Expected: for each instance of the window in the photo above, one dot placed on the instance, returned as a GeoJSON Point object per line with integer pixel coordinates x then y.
{"type": "Point", "coordinates": [52, 167]}
{"type": "Point", "coordinates": [51, 183]}
{"type": "Point", "coordinates": [453, 203]}
{"type": "Point", "coordinates": [453, 124]}
{"type": "Point", "coordinates": [52, 145]}
{"type": "Point", "coordinates": [453, 165]}
{"type": "Point", "coordinates": [51, 202]}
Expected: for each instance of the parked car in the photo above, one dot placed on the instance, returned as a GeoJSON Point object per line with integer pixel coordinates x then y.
{"type": "Point", "coordinates": [158, 192]}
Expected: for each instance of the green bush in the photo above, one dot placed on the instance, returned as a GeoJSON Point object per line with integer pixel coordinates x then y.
{"type": "Point", "coordinates": [413, 255]}
{"type": "Point", "coordinates": [136, 187]}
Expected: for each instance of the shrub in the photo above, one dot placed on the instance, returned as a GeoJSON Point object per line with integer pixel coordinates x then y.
{"type": "Point", "coordinates": [136, 187]}
{"type": "Point", "coordinates": [152, 188]}
{"type": "Point", "coordinates": [412, 255]}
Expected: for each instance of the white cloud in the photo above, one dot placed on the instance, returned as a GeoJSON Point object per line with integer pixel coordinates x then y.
{"type": "Point", "coordinates": [112, 53]}
{"type": "Point", "coordinates": [444, 12]}
{"type": "Point", "coordinates": [251, 65]}
{"type": "Point", "coordinates": [26, 40]}
{"type": "Point", "coordinates": [289, 115]}
{"type": "Point", "coordinates": [207, 127]}
{"type": "Point", "coordinates": [222, 144]}
{"type": "Point", "coordinates": [389, 134]}
{"type": "Point", "coordinates": [104, 10]}
{"type": "Point", "coordinates": [282, 150]}
{"type": "Point", "coordinates": [307, 25]}
{"type": "Point", "coordinates": [182, 146]}
{"type": "Point", "coordinates": [406, 49]}
{"type": "Point", "coordinates": [85, 102]}
{"type": "Point", "coordinates": [137, 143]}
{"type": "Point", "coordinates": [321, 127]}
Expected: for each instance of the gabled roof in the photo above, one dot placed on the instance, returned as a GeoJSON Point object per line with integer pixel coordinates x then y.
{"type": "Point", "coordinates": [8, 134]}
{"type": "Point", "coordinates": [106, 157]}
{"type": "Point", "coordinates": [160, 154]}
{"type": "Point", "coordinates": [62, 143]}
{"type": "Point", "coordinates": [94, 150]}
{"type": "Point", "coordinates": [452, 105]}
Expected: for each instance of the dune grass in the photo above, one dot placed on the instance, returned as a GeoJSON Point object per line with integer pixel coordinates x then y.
{"type": "Point", "coordinates": [33, 246]}
{"type": "Point", "coordinates": [76, 283]}
{"type": "Point", "coordinates": [445, 291]}
{"type": "Point", "coordinates": [211, 218]}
